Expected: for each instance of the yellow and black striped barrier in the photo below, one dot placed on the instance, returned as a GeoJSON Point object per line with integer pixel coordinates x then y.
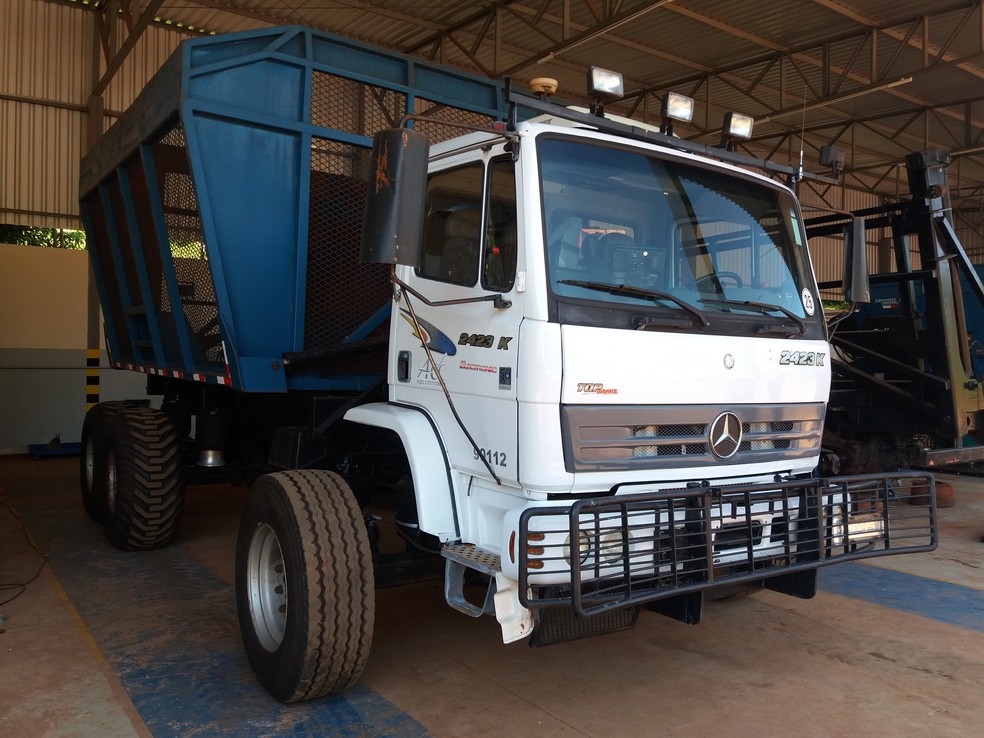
{"type": "Point", "coordinates": [91, 378]}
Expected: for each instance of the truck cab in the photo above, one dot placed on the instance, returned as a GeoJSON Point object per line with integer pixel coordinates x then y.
{"type": "Point", "coordinates": [592, 319]}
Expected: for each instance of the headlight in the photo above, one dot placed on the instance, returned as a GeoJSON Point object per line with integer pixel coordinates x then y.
{"type": "Point", "coordinates": [837, 526]}
{"type": "Point", "coordinates": [583, 546]}
{"type": "Point", "coordinates": [610, 547]}
{"type": "Point", "coordinates": [865, 527]}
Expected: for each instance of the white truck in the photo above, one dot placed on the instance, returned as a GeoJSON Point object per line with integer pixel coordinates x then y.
{"type": "Point", "coordinates": [585, 360]}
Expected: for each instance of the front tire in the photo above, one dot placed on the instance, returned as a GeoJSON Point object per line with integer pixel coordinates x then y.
{"type": "Point", "coordinates": [304, 584]}
{"type": "Point", "coordinates": [144, 479]}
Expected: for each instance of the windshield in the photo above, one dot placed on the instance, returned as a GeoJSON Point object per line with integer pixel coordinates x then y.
{"type": "Point", "coordinates": [625, 227]}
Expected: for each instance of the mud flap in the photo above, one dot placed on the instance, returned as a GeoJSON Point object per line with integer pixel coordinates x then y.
{"type": "Point", "coordinates": [516, 621]}
{"type": "Point", "coordinates": [559, 624]}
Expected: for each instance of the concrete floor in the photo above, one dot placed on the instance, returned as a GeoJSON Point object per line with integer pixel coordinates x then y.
{"type": "Point", "coordinates": [106, 643]}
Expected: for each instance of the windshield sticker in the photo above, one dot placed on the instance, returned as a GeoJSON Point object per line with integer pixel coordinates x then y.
{"type": "Point", "coordinates": [808, 301]}
{"type": "Point", "coordinates": [431, 336]}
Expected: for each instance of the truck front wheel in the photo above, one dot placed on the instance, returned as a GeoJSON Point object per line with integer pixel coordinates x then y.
{"type": "Point", "coordinates": [144, 479]}
{"type": "Point", "coordinates": [304, 584]}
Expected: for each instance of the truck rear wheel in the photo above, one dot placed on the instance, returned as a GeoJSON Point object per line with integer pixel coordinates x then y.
{"type": "Point", "coordinates": [304, 584]}
{"type": "Point", "coordinates": [144, 479]}
{"type": "Point", "coordinates": [95, 431]}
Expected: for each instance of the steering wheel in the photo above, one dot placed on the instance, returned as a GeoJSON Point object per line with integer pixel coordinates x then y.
{"type": "Point", "coordinates": [719, 279]}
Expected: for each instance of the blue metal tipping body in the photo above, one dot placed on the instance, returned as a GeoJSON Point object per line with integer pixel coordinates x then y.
{"type": "Point", "coordinates": [223, 209]}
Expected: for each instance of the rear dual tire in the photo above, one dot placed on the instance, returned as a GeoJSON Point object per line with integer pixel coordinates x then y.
{"type": "Point", "coordinates": [138, 478]}
{"type": "Point", "coordinates": [95, 432]}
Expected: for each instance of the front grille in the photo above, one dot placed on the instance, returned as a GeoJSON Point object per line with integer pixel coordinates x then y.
{"type": "Point", "coordinates": [606, 553]}
{"type": "Point", "coordinates": [621, 438]}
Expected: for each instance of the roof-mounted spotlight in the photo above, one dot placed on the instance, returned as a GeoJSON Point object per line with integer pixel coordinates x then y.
{"type": "Point", "coordinates": [675, 107]}
{"type": "Point", "coordinates": [604, 86]}
{"type": "Point", "coordinates": [736, 127]}
{"type": "Point", "coordinates": [833, 157]}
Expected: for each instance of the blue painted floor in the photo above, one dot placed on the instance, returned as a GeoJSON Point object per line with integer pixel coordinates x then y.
{"type": "Point", "coordinates": [941, 601]}
{"type": "Point", "coordinates": [165, 623]}
{"type": "Point", "coordinates": [167, 626]}
{"type": "Point", "coordinates": [177, 651]}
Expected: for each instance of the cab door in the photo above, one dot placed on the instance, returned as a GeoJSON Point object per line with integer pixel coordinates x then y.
{"type": "Point", "coordinates": [470, 254]}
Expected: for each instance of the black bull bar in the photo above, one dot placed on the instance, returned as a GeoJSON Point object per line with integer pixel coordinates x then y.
{"type": "Point", "coordinates": [630, 548]}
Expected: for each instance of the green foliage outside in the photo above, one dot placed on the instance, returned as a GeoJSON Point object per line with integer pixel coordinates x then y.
{"type": "Point", "coordinates": [51, 237]}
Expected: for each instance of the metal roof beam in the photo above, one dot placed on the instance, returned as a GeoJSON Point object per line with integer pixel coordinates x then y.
{"type": "Point", "coordinates": [139, 26]}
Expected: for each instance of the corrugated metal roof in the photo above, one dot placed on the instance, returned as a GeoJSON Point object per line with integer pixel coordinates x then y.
{"type": "Point", "coordinates": [810, 71]}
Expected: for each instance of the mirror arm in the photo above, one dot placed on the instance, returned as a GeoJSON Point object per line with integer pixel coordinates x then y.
{"type": "Point", "coordinates": [497, 299]}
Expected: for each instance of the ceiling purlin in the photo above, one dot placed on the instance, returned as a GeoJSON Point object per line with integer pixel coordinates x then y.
{"type": "Point", "coordinates": [726, 28]}
{"type": "Point", "coordinates": [113, 64]}
{"type": "Point", "coordinates": [893, 31]}
{"type": "Point", "coordinates": [471, 57]}
{"type": "Point", "coordinates": [543, 9]}
{"type": "Point", "coordinates": [804, 51]}
{"type": "Point", "coordinates": [765, 70]}
{"type": "Point", "coordinates": [533, 24]}
{"type": "Point", "coordinates": [454, 27]}
{"type": "Point", "coordinates": [945, 125]}
{"type": "Point", "coordinates": [743, 86]}
{"type": "Point", "coordinates": [609, 24]}
{"type": "Point", "coordinates": [619, 41]}
{"type": "Point", "coordinates": [844, 129]}
{"type": "Point", "coordinates": [862, 42]}
{"type": "Point", "coordinates": [225, 7]}
{"type": "Point", "coordinates": [482, 34]}
{"type": "Point", "coordinates": [803, 75]}
{"type": "Point", "coordinates": [374, 9]}
{"type": "Point", "coordinates": [942, 53]}
{"type": "Point", "coordinates": [899, 48]}
{"type": "Point", "coordinates": [594, 11]}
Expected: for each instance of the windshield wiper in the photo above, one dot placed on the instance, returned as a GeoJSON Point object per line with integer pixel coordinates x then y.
{"type": "Point", "coordinates": [760, 307]}
{"type": "Point", "coordinates": [643, 294]}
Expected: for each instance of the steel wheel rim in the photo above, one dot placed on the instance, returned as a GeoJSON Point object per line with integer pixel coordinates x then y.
{"type": "Point", "coordinates": [90, 463]}
{"type": "Point", "coordinates": [266, 586]}
{"type": "Point", "coordinates": [111, 481]}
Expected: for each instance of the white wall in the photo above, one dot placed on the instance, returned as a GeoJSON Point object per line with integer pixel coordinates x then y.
{"type": "Point", "coordinates": [43, 329]}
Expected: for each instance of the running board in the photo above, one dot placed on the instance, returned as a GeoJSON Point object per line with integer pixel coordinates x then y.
{"type": "Point", "coordinates": [460, 558]}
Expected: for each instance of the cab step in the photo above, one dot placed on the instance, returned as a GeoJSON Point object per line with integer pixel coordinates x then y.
{"type": "Point", "coordinates": [460, 558]}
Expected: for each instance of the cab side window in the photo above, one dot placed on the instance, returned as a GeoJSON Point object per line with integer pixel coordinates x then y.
{"type": "Point", "coordinates": [499, 260]}
{"type": "Point", "coordinates": [453, 226]}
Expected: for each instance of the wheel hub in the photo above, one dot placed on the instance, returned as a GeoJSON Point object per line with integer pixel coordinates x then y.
{"type": "Point", "coordinates": [266, 584]}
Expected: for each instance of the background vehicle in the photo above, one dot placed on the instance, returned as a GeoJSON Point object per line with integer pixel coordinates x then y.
{"type": "Point", "coordinates": [584, 362]}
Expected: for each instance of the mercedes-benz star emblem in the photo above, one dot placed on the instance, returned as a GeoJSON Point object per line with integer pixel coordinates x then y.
{"type": "Point", "coordinates": [724, 437]}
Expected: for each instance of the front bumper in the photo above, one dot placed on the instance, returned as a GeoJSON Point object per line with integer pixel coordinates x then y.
{"type": "Point", "coordinates": [629, 549]}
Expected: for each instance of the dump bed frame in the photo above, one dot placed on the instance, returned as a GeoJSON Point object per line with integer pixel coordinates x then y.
{"type": "Point", "coordinates": [224, 209]}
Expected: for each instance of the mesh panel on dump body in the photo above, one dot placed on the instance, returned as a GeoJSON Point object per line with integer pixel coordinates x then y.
{"type": "Point", "coordinates": [129, 309]}
{"type": "Point", "coordinates": [342, 292]}
{"type": "Point", "coordinates": [188, 253]}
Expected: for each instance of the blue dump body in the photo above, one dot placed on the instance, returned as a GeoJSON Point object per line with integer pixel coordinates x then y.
{"type": "Point", "coordinates": [224, 210]}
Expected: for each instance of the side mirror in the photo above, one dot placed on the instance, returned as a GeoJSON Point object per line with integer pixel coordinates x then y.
{"type": "Point", "coordinates": [394, 224]}
{"type": "Point", "coordinates": [855, 284]}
